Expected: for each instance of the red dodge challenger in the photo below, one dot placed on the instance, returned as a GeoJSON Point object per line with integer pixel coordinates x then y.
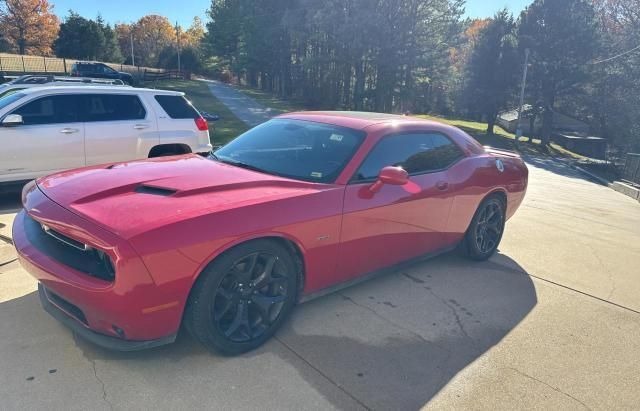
{"type": "Point", "coordinates": [303, 204]}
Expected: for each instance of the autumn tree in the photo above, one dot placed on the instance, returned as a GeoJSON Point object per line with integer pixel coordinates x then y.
{"type": "Point", "coordinates": [193, 35]}
{"type": "Point", "coordinates": [151, 34]}
{"type": "Point", "coordinates": [493, 67]}
{"type": "Point", "coordinates": [29, 26]}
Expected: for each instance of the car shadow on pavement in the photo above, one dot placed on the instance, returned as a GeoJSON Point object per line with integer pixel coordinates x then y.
{"type": "Point", "coordinates": [390, 343]}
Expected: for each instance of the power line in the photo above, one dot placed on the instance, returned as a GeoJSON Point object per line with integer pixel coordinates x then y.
{"type": "Point", "coordinates": [619, 55]}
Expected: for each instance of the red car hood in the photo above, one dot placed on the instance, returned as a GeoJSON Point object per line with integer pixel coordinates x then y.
{"type": "Point", "coordinates": [128, 198]}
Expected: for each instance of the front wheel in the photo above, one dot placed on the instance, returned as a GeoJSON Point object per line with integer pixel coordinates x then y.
{"type": "Point", "coordinates": [242, 297]}
{"type": "Point", "coordinates": [485, 231]}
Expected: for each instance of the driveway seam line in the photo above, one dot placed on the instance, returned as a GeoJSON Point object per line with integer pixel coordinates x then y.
{"type": "Point", "coordinates": [549, 385]}
{"type": "Point", "coordinates": [8, 262]}
{"type": "Point", "coordinates": [571, 289]}
{"type": "Point", "coordinates": [338, 386]}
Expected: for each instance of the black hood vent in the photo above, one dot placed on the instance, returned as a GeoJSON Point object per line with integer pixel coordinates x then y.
{"type": "Point", "coordinates": [156, 191]}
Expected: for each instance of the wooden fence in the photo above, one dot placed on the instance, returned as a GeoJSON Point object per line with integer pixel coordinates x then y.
{"type": "Point", "coordinates": [164, 75]}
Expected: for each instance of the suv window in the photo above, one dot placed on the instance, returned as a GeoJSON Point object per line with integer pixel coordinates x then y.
{"type": "Point", "coordinates": [177, 106]}
{"type": "Point", "coordinates": [10, 91]}
{"type": "Point", "coordinates": [50, 110]}
{"type": "Point", "coordinates": [417, 153]}
{"type": "Point", "coordinates": [113, 107]}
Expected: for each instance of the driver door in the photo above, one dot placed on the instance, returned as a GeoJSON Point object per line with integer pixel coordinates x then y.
{"type": "Point", "coordinates": [397, 223]}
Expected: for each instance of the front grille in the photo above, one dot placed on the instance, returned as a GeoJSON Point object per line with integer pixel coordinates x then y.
{"type": "Point", "coordinates": [66, 306]}
{"type": "Point", "coordinates": [68, 251]}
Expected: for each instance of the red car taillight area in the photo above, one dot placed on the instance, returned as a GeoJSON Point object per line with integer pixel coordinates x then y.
{"type": "Point", "coordinates": [202, 124]}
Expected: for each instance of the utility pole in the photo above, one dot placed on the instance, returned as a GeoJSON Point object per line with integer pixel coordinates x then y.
{"type": "Point", "coordinates": [178, 41]}
{"type": "Point", "coordinates": [133, 57]}
{"type": "Point", "coordinates": [524, 83]}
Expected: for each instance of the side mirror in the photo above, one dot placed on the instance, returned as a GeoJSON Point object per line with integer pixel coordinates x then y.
{"type": "Point", "coordinates": [12, 120]}
{"type": "Point", "coordinates": [395, 176]}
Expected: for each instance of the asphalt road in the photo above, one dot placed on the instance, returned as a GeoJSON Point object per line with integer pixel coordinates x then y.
{"type": "Point", "coordinates": [242, 106]}
{"type": "Point", "coordinates": [551, 322]}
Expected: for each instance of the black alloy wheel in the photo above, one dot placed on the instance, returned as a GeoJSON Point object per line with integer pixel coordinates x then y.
{"type": "Point", "coordinates": [486, 229]}
{"type": "Point", "coordinates": [243, 297]}
{"type": "Point", "coordinates": [250, 296]}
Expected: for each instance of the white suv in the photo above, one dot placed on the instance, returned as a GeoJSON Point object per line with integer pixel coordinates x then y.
{"type": "Point", "coordinates": [44, 130]}
{"type": "Point", "coordinates": [36, 80]}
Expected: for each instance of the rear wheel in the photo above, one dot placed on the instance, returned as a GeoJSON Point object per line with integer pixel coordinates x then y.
{"type": "Point", "coordinates": [485, 231]}
{"type": "Point", "coordinates": [242, 297]}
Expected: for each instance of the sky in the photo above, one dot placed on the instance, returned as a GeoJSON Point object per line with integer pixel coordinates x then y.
{"type": "Point", "coordinates": [126, 11]}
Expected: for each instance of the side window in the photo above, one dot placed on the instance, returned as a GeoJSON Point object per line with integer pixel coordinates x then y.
{"type": "Point", "coordinates": [50, 110]}
{"type": "Point", "coordinates": [10, 91]}
{"type": "Point", "coordinates": [417, 153]}
{"type": "Point", "coordinates": [177, 107]}
{"type": "Point", "coordinates": [113, 107]}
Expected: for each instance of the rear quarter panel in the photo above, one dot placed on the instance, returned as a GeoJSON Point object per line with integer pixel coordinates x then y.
{"type": "Point", "coordinates": [476, 177]}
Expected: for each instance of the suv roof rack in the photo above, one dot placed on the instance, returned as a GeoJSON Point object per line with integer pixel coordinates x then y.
{"type": "Point", "coordinates": [45, 79]}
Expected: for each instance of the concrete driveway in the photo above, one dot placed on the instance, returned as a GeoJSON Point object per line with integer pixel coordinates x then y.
{"type": "Point", "coordinates": [552, 321]}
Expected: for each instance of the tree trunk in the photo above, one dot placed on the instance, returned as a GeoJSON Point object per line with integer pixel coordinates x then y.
{"type": "Point", "coordinates": [549, 91]}
{"type": "Point", "coordinates": [491, 122]}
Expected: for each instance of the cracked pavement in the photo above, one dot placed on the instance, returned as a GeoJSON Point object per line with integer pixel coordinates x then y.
{"type": "Point", "coordinates": [552, 321]}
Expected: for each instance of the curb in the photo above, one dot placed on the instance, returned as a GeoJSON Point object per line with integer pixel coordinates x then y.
{"type": "Point", "coordinates": [618, 186]}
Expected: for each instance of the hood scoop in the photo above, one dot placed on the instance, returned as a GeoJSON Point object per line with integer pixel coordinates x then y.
{"type": "Point", "coordinates": [156, 191]}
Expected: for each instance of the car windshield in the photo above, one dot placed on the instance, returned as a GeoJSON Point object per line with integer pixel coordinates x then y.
{"type": "Point", "coordinates": [10, 98]}
{"type": "Point", "coordinates": [302, 150]}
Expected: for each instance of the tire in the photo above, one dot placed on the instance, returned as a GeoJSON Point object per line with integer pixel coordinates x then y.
{"type": "Point", "coordinates": [242, 297]}
{"type": "Point", "coordinates": [485, 231]}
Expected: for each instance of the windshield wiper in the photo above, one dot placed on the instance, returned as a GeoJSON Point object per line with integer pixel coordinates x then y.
{"type": "Point", "coordinates": [242, 165]}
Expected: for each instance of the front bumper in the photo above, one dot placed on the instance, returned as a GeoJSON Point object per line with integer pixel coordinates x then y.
{"type": "Point", "coordinates": [132, 309]}
{"type": "Point", "coordinates": [105, 341]}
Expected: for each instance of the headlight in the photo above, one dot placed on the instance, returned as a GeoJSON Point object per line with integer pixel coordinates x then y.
{"type": "Point", "coordinates": [29, 187]}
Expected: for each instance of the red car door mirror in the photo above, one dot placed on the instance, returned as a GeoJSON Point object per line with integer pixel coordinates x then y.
{"type": "Point", "coordinates": [396, 176]}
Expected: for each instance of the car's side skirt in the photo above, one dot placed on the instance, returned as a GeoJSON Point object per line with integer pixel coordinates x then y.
{"type": "Point", "coordinates": [373, 274]}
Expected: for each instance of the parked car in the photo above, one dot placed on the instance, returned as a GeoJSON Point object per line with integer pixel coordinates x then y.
{"type": "Point", "coordinates": [299, 206]}
{"type": "Point", "coordinates": [35, 80]}
{"type": "Point", "coordinates": [99, 70]}
{"type": "Point", "coordinates": [43, 130]}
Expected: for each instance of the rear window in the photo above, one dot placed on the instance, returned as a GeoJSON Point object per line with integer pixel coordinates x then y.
{"type": "Point", "coordinates": [113, 107]}
{"type": "Point", "coordinates": [177, 107]}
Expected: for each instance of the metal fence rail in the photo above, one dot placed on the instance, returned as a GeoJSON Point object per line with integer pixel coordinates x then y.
{"type": "Point", "coordinates": [19, 64]}
{"type": "Point", "coordinates": [631, 170]}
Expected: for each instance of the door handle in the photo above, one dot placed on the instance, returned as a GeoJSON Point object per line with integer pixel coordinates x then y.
{"type": "Point", "coordinates": [442, 185]}
{"type": "Point", "coordinates": [69, 130]}
{"type": "Point", "coordinates": [140, 126]}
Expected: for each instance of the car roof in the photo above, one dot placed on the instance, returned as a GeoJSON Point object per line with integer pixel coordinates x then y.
{"type": "Point", "coordinates": [357, 119]}
{"type": "Point", "coordinates": [72, 89]}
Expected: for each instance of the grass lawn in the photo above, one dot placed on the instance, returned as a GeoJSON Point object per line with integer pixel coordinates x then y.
{"type": "Point", "coordinates": [223, 130]}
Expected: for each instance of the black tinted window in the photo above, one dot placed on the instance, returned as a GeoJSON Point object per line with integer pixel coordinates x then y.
{"type": "Point", "coordinates": [177, 107]}
{"type": "Point", "coordinates": [112, 107]}
{"type": "Point", "coordinates": [50, 110]}
{"type": "Point", "coordinates": [416, 153]}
